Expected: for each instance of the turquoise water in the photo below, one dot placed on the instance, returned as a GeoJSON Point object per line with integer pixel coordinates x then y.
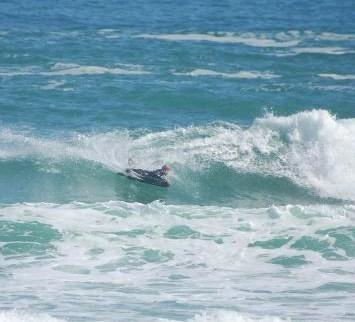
{"type": "Point", "coordinates": [251, 104]}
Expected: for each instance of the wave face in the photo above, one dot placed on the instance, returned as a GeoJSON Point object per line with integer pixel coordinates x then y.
{"type": "Point", "coordinates": [252, 106]}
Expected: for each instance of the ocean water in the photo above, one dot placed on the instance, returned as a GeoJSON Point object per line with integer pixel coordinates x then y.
{"type": "Point", "coordinates": [252, 104]}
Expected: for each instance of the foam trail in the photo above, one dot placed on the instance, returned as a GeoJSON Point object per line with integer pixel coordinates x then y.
{"type": "Point", "coordinates": [228, 316]}
{"type": "Point", "coordinates": [337, 76]}
{"type": "Point", "coordinates": [75, 69]}
{"type": "Point", "coordinates": [288, 39]}
{"type": "Point", "coordinates": [241, 74]}
{"type": "Point", "coordinates": [321, 50]}
{"type": "Point", "coordinates": [19, 316]}
{"type": "Point", "coordinates": [53, 84]}
{"type": "Point", "coordinates": [60, 69]}
{"type": "Point", "coordinates": [227, 38]}
{"type": "Point", "coordinates": [109, 33]}
{"type": "Point", "coordinates": [332, 36]}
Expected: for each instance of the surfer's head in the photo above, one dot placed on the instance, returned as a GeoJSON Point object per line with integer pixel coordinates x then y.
{"type": "Point", "coordinates": [165, 168]}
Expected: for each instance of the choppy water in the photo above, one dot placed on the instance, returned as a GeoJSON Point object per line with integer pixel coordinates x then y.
{"type": "Point", "coordinates": [252, 105]}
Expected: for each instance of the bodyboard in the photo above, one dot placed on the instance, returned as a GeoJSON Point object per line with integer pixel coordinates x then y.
{"type": "Point", "coordinates": [145, 176]}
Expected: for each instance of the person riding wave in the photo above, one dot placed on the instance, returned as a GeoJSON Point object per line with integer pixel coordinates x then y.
{"type": "Point", "coordinates": [154, 176]}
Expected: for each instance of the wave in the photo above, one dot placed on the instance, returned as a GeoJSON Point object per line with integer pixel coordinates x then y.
{"type": "Point", "coordinates": [337, 76]}
{"type": "Point", "coordinates": [311, 149]}
{"type": "Point", "coordinates": [240, 74]}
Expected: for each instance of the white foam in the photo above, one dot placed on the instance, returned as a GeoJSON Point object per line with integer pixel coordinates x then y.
{"type": "Point", "coordinates": [9, 72]}
{"type": "Point", "coordinates": [105, 247]}
{"type": "Point", "coordinates": [322, 50]}
{"type": "Point", "coordinates": [75, 70]}
{"type": "Point", "coordinates": [106, 226]}
{"type": "Point", "coordinates": [63, 69]}
{"type": "Point", "coordinates": [20, 316]}
{"type": "Point", "coordinates": [318, 153]}
{"type": "Point", "coordinates": [230, 316]}
{"type": "Point", "coordinates": [333, 88]}
{"type": "Point", "coordinates": [71, 34]}
{"type": "Point", "coordinates": [53, 84]}
{"type": "Point", "coordinates": [331, 36]}
{"type": "Point", "coordinates": [109, 33]}
{"type": "Point", "coordinates": [249, 39]}
{"type": "Point", "coordinates": [240, 74]}
{"type": "Point", "coordinates": [284, 39]}
{"type": "Point", "coordinates": [337, 76]}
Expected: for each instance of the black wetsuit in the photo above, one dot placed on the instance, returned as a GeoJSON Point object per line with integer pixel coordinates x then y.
{"type": "Point", "coordinates": [156, 177]}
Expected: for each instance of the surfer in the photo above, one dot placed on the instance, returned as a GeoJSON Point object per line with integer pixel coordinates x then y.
{"type": "Point", "coordinates": [157, 177]}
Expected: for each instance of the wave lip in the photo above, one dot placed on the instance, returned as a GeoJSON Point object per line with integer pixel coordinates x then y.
{"type": "Point", "coordinates": [240, 74]}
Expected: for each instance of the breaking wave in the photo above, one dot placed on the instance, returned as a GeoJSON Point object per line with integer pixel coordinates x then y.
{"type": "Point", "coordinates": [311, 149]}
